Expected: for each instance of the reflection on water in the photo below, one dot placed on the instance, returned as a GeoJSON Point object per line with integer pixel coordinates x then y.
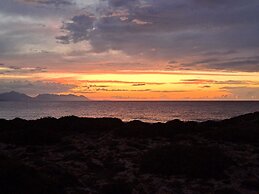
{"type": "Point", "coordinates": [145, 111]}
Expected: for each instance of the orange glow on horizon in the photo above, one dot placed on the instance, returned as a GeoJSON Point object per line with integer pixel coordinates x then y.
{"type": "Point", "coordinates": [149, 85]}
{"type": "Point", "coordinates": [157, 85]}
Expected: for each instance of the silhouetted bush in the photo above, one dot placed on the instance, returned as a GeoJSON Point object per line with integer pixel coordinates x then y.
{"type": "Point", "coordinates": [242, 129]}
{"type": "Point", "coordinates": [192, 161]}
{"type": "Point", "coordinates": [226, 191]}
{"type": "Point", "coordinates": [141, 129]}
{"type": "Point", "coordinates": [60, 176]}
{"type": "Point", "coordinates": [16, 178]}
{"type": "Point", "coordinates": [235, 134]}
{"type": "Point", "coordinates": [50, 130]}
{"type": "Point", "coordinates": [251, 185]}
{"type": "Point", "coordinates": [30, 136]}
{"type": "Point", "coordinates": [81, 143]}
{"type": "Point", "coordinates": [89, 125]}
{"type": "Point", "coordinates": [136, 129]}
{"type": "Point", "coordinates": [117, 188]}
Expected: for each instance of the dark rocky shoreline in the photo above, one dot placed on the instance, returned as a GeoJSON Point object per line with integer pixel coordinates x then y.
{"type": "Point", "coordinates": [106, 155]}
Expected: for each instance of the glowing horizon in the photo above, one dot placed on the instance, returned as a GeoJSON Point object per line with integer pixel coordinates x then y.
{"type": "Point", "coordinates": [131, 50]}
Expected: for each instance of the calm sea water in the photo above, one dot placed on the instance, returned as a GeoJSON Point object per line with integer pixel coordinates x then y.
{"type": "Point", "coordinates": [145, 111]}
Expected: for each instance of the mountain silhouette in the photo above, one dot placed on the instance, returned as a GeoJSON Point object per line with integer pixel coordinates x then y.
{"type": "Point", "coordinates": [16, 96]}
{"type": "Point", "coordinates": [54, 97]}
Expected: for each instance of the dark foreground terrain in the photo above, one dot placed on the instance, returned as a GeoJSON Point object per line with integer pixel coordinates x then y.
{"type": "Point", "coordinates": [107, 156]}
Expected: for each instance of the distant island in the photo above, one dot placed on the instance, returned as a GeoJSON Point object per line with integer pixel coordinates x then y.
{"type": "Point", "coordinates": [16, 96]}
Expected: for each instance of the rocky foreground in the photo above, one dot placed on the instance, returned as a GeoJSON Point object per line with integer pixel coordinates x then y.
{"type": "Point", "coordinates": [81, 155]}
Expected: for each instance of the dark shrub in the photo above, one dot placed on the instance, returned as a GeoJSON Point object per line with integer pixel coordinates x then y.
{"type": "Point", "coordinates": [117, 188]}
{"type": "Point", "coordinates": [60, 176]}
{"type": "Point", "coordinates": [73, 123]}
{"type": "Point", "coordinates": [141, 129]}
{"type": "Point", "coordinates": [50, 130]}
{"type": "Point", "coordinates": [136, 129]}
{"type": "Point", "coordinates": [30, 136]}
{"type": "Point", "coordinates": [242, 129]}
{"type": "Point", "coordinates": [18, 178]}
{"type": "Point", "coordinates": [236, 134]}
{"type": "Point", "coordinates": [35, 132]}
{"type": "Point", "coordinates": [227, 191]}
{"type": "Point", "coordinates": [192, 161]}
{"type": "Point", "coordinates": [251, 185]}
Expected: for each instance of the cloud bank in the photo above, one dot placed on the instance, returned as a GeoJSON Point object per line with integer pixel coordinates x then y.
{"type": "Point", "coordinates": [172, 29]}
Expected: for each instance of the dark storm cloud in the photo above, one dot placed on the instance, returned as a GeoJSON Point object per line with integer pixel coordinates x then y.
{"type": "Point", "coordinates": [29, 24]}
{"type": "Point", "coordinates": [227, 82]}
{"type": "Point", "coordinates": [220, 53]}
{"type": "Point", "coordinates": [33, 87]}
{"type": "Point", "coordinates": [121, 90]}
{"type": "Point", "coordinates": [123, 3]}
{"type": "Point", "coordinates": [138, 84]}
{"type": "Point", "coordinates": [207, 86]}
{"type": "Point", "coordinates": [13, 69]}
{"type": "Point", "coordinates": [79, 28]}
{"type": "Point", "coordinates": [249, 65]}
{"type": "Point", "coordinates": [124, 82]}
{"type": "Point", "coordinates": [35, 8]}
{"type": "Point", "coordinates": [52, 2]}
{"type": "Point", "coordinates": [162, 29]}
{"type": "Point", "coordinates": [172, 91]}
{"type": "Point", "coordinates": [246, 64]}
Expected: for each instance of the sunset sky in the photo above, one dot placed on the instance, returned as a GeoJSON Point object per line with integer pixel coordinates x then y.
{"type": "Point", "coordinates": [131, 49]}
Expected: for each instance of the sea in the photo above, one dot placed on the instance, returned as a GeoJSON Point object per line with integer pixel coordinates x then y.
{"type": "Point", "coordinates": [127, 111]}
